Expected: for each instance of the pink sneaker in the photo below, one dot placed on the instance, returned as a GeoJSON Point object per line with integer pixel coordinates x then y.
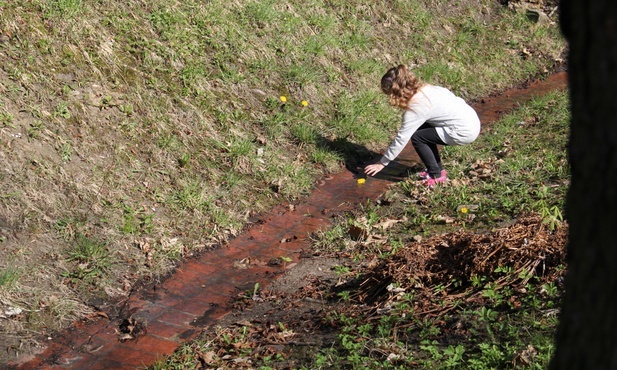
{"type": "Point", "coordinates": [432, 181]}
{"type": "Point", "coordinates": [424, 174]}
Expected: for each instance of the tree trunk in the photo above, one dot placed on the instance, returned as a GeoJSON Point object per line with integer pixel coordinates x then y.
{"type": "Point", "coordinates": [587, 333]}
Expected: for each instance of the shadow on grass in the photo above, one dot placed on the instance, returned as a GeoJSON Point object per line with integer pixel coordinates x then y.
{"type": "Point", "coordinates": [356, 157]}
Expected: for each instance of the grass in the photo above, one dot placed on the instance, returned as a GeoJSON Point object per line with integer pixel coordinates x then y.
{"type": "Point", "coordinates": [506, 177]}
{"type": "Point", "coordinates": [516, 185]}
{"type": "Point", "coordinates": [139, 124]}
{"type": "Point", "coordinates": [513, 325]}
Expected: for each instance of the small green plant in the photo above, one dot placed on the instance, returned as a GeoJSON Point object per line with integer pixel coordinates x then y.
{"type": "Point", "coordinates": [504, 269]}
{"type": "Point", "coordinates": [184, 160]}
{"type": "Point", "coordinates": [63, 8]}
{"type": "Point", "coordinates": [8, 277]}
{"type": "Point", "coordinates": [6, 118]}
{"type": "Point", "coordinates": [487, 314]}
{"type": "Point", "coordinates": [66, 151]}
{"type": "Point", "coordinates": [491, 291]}
{"type": "Point", "coordinates": [428, 329]}
{"type": "Point", "coordinates": [239, 148]}
{"type": "Point", "coordinates": [550, 289]}
{"type": "Point", "coordinates": [126, 109]}
{"type": "Point", "coordinates": [136, 221]}
{"type": "Point", "coordinates": [432, 347]}
{"type": "Point", "coordinates": [454, 355]}
{"type": "Point", "coordinates": [305, 133]}
{"type": "Point", "coordinates": [35, 129]}
{"type": "Point", "coordinates": [341, 270]}
{"type": "Point", "coordinates": [62, 110]}
{"type": "Point", "coordinates": [92, 258]}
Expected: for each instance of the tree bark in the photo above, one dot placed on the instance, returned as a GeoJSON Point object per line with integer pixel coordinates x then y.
{"type": "Point", "coordinates": [587, 334]}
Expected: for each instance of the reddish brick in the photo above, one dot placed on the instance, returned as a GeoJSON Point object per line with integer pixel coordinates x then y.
{"type": "Point", "coordinates": [107, 364]}
{"type": "Point", "coordinates": [165, 330]}
{"type": "Point", "coordinates": [91, 327]}
{"type": "Point", "coordinates": [177, 317]}
{"type": "Point", "coordinates": [194, 307]}
{"type": "Point", "coordinates": [149, 311]}
{"type": "Point", "coordinates": [196, 270]}
{"type": "Point", "coordinates": [223, 286]}
{"type": "Point", "coordinates": [27, 363]}
{"type": "Point", "coordinates": [210, 317]}
{"type": "Point", "coordinates": [150, 343]}
{"type": "Point", "coordinates": [127, 355]}
{"type": "Point", "coordinates": [96, 345]}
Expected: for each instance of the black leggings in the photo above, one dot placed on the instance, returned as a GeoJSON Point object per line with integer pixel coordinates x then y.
{"type": "Point", "coordinates": [425, 141]}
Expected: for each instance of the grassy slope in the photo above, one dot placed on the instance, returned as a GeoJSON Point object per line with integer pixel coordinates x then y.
{"type": "Point", "coordinates": [135, 133]}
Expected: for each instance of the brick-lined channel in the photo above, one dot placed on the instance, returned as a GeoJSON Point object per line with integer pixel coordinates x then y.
{"type": "Point", "coordinates": [199, 292]}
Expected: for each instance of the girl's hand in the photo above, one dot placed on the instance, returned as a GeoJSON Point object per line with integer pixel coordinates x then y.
{"type": "Point", "coordinates": [373, 169]}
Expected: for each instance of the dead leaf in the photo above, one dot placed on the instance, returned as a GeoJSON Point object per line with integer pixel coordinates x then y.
{"type": "Point", "coordinates": [125, 337]}
{"type": "Point", "coordinates": [388, 223]}
{"type": "Point", "coordinates": [243, 323]}
{"type": "Point", "coordinates": [357, 233]}
{"type": "Point", "coordinates": [445, 219]}
{"type": "Point", "coordinates": [208, 357]}
{"type": "Point", "coordinates": [285, 334]}
{"type": "Point", "coordinates": [527, 355]}
{"type": "Point", "coordinates": [376, 239]}
{"type": "Point", "coordinates": [144, 246]}
{"type": "Point", "coordinates": [242, 360]}
{"type": "Point", "coordinates": [242, 264]}
{"type": "Point", "coordinates": [13, 311]}
{"type": "Point", "coordinates": [100, 314]}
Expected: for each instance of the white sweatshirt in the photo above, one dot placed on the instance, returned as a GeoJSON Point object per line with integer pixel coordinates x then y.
{"type": "Point", "coordinates": [456, 122]}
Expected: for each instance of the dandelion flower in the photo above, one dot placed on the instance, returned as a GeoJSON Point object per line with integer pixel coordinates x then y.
{"type": "Point", "coordinates": [283, 98]}
{"type": "Point", "coordinates": [304, 103]}
{"type": "Point", "coordinates": [464, 210]}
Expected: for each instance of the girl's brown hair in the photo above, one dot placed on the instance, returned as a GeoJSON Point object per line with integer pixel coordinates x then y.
{"type": "Point", "coordinates": [400, 85]}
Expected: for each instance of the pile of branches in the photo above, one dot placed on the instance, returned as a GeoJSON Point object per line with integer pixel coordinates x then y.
{"type": "Point", "coordinates": [455, 269]}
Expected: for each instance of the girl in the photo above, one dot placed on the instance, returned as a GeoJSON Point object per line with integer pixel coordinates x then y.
{"type": "Point", "coordinates": [432, 116]}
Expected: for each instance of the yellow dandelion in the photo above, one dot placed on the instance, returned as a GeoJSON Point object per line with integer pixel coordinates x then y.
{"type": "Point", "coordinates": [283, 98]}
{"type": "Point", "coordinates": [304, 103]}
{"type": "Point", "coordinates": [464, 210]}
{"type": "Point", "coordinates": [361, 181]}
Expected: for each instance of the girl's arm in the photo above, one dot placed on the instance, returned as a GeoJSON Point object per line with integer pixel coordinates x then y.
{"type": "Point", "coordinates": [412, 119]}
{"type": "Point", "coordinates": [411, 122]}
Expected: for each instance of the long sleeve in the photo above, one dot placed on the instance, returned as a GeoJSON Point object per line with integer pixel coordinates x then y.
{"type": "Point", "coordinates": [412, 119]}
